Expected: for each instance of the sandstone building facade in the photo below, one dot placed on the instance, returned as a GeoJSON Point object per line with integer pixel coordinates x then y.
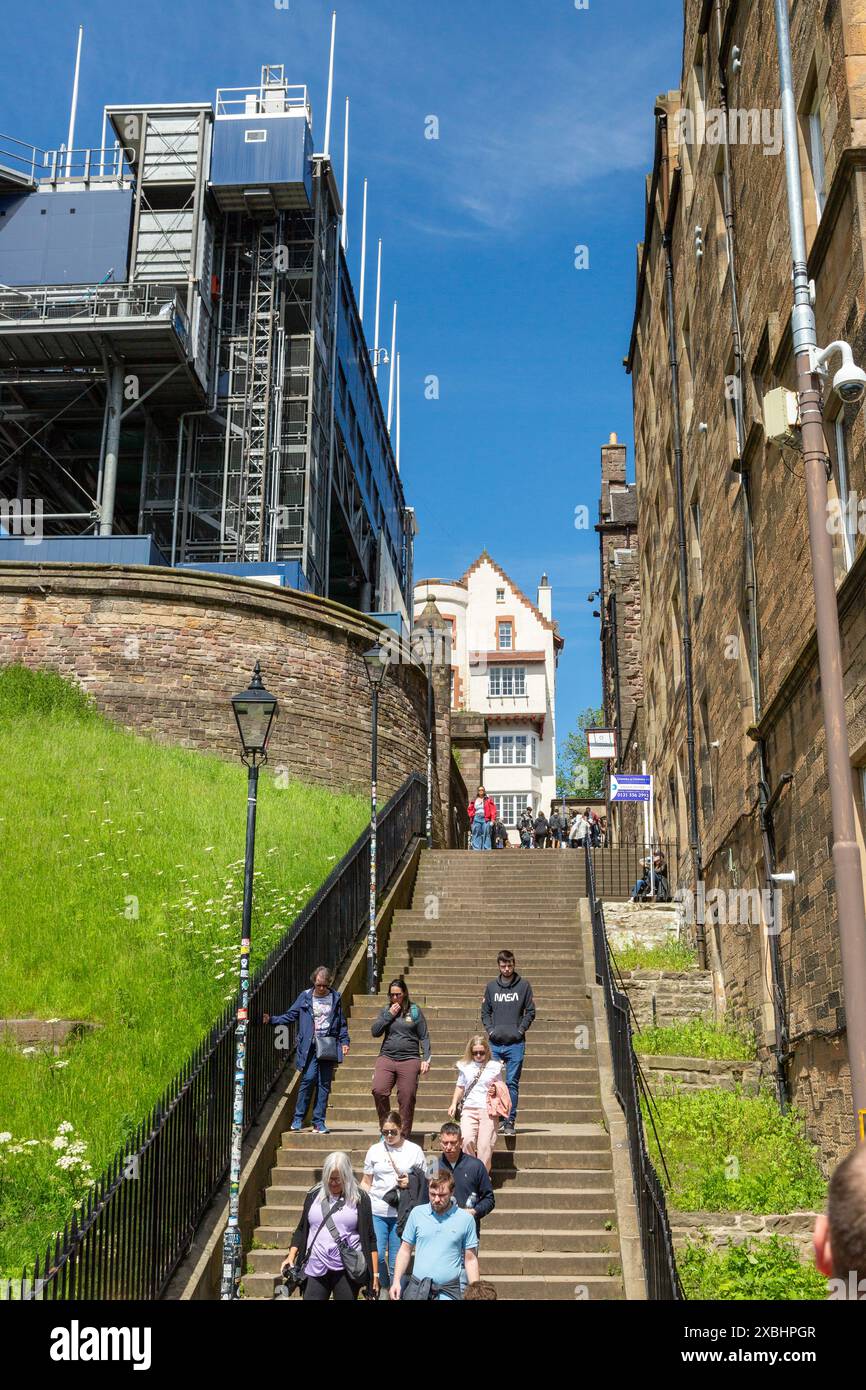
{"type": "Point", "coordinates": [505, 651]}
{"type": "Point", "coordinates": [725, 573]}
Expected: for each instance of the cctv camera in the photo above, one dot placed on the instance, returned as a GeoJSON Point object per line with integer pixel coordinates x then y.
{"type": "Point", "coordinates": [850, 380]}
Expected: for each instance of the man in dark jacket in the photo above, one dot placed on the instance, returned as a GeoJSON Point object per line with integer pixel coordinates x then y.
{"type": "Point", "coordinates": [318, 1013]}
{"type": "Point", "coordinates": [473, 1190]}
{"type": "Point", "coordinates": [506, 1013]}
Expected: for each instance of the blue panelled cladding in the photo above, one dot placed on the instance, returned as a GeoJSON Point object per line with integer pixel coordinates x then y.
{"type": "Point", "coordinates": [282, 574]}
{"type": "Point", "coordinates": [362, 424]}
{"type": "Point", "coordinates": [82, 550]}
{"type": "Point", "coordinates": [60, 238]}
{"type": "Point", "coordinates": [282, 157]}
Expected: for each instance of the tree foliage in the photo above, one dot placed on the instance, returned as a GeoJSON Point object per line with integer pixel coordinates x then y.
{"type": "Point", "coordinates": [577, 774]}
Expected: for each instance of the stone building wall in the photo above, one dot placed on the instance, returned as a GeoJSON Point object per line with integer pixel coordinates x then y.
{"type": "Point", "coordinates": [162, 651]}
{"type": "Point", "coordinates": [732, 481]}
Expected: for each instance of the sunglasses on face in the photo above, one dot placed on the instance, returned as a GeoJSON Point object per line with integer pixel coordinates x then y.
{"type": "Point", "coordinates": [390, 1133]}
{"type": "Point", "coordinates": [478, 1052]}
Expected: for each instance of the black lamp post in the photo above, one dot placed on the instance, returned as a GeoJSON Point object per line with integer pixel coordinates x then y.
{"type": "Point", "coordinates": [376, 662]}
{"type": "Point", "coordinates": [254, 711]}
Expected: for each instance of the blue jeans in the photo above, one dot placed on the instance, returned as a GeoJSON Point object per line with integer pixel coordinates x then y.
{"type": "Point", "coordinates": [315, 1076]}
{"type": "Point", "coordinates": [512, 1054]}
{"type": "Point", "coordinates": [479, 832]}
{"type": "Point", "coordinates": [387, 1244]}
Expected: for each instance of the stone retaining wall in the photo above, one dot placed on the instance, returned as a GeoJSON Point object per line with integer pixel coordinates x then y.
{"type": "Point", "coordinates": [661, 998]}
{"type": "Point", "coordinates": [162, 651]}
{"type": "Point", "coordinates": [699, 1073]}
{"type": "Point", "coordinates": [734, 1227]}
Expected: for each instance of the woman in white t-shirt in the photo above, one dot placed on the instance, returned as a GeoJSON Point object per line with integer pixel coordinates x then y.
{"type": "Point", "coordinates": [477, 1071]}
{"type": "Point", "coordinates": [386, 1168]}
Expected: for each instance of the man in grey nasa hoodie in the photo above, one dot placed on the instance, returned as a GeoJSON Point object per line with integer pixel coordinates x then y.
{"type": "Point", "coordinates": [506, 1013]}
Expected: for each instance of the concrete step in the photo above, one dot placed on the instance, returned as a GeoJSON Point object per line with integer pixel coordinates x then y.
{"type": "Point", "coordinates": [284, 1214]}
{"type": "Point", "coordinates": [505, 1164]}
{"type": "Point", "coordinates": [578, 1066]}
{"type": "Point", "coordinates": [495, 1239]}
{"type": "Point", "coordinates": [576, 1264]}
{"type": "Point", "coordinates": [580, 1197]}
{"type": "Point", "coordinates": [518, 1288]}
{"type": "Point", "coordinates": [357, 1142]}
{"type": "Point", "coordinates": [438, 1098]}
{"type": "Point", "coordinates": [444, 1006]}
{"type": "Point", "coordinates": [429, 1116]}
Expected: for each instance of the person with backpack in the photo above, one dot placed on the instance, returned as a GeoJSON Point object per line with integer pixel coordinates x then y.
{"type": "Point", "coordinates": [554, 826]}
{"type": "Point", "coordinates": [540, 830]}
{"type": "Point", "coordinates": [481, 1102]}
{"type": "Point", "coordinates": [404, 1056]}
{"type": "Point", "coordinates": [507, 1013]}
{"type": "Point", "coordinates": [395, 1175]}
{"type": "Point", "coordinates": [336, 1234]}
{"type": "Point", "coordinates": [525, 829]}
{"type": "Point", "coordinates": [322, 1043]}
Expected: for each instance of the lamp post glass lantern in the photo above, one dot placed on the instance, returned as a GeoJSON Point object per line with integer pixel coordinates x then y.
{"type": "Point", "coordinates": [254, 711]}
{"type": "Point", "coordinates": [376, 662]}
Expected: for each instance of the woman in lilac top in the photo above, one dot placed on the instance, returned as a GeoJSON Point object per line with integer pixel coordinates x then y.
{"type": "Point", "coordinates": [340, 1196]}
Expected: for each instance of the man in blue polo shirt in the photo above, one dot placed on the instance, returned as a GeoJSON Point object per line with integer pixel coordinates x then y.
{"type": "Point", "coordinates": [445, 1241]}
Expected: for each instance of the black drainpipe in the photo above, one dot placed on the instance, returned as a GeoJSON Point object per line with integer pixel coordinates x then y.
{"type": "Point", "coordinates": [694, 836]}
{"type": "Point", "coordinates": [765, 800]}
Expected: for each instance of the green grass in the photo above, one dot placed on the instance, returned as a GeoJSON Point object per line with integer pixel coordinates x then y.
{"type": "Point", "coordinates": [757, 1269]}
{"type": "Point", "coordinates": [121, 882]}
{"type": "Point", "coordinates": [697, 1038]}
{"type": "Point", "coordinates": [673, 955]}
{"type": "Point", "coordinates": [727, 1151]}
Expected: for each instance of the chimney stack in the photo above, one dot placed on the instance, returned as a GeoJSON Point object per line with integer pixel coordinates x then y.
{"type": "Point", "coordinates": [545, 597]}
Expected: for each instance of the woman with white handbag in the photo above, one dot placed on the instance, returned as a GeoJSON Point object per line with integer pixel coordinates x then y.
{"type": "Point", "coordinates": [481, 1097]}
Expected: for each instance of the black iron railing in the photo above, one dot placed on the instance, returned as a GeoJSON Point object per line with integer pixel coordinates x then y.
{"type": "Point", "coordinates": [620, 868]}
{"type": "Point", "coordinates": [662, 1279]}
{"type": "Point", "coordinates": [140, 1217]}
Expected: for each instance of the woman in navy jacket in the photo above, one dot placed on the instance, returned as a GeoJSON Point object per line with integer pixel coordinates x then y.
{"type": "Point", "coordinates": [318, 1012]}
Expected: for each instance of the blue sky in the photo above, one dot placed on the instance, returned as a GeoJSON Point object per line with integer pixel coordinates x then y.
{"type": "Point", "coordinates": [545, 137]}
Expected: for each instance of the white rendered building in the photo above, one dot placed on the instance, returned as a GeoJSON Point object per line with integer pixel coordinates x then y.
{"type": "Point", "coordinates": [505, 650]}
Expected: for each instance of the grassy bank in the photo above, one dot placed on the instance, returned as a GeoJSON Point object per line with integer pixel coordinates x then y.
{"type": "Point", "coordinates": [727, 1151]}
{"type": "Point", "coordinates": [120, 897]}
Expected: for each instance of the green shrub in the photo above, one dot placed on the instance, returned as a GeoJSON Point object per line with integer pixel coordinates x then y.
{"type": "Point", "coordinates": [697, 1038]}
{"type": "Point", "coordinates": [726, 1151]}
{"type": "Point", "coordinates": [673, 955]}
{"type": "Point", "coordinates": [25, 694]}
{"type": "Point", "coordinates": [758, 1269]}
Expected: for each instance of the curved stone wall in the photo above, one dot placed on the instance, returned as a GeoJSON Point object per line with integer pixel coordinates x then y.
{"type": "Point", "coordinates": [162, 651]}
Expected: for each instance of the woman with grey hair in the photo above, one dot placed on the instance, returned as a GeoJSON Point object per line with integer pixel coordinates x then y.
{"type": "Point", "coordinates": [335, 1233]}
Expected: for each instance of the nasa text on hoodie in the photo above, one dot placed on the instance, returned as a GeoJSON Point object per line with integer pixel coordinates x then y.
{"type": "Point", "coordinates": [508, 1009]}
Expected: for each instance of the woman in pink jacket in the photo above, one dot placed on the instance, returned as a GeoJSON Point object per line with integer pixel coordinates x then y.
{"type": "Point", "coordinates": [482, 814]}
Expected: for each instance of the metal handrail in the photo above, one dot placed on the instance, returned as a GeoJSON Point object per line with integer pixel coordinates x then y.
{"type": "Point", "coordinates": [141, 1216]}
{"type": "Point", "coordinates": [660, 1269]}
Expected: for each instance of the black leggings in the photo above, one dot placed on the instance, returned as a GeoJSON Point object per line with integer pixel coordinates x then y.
{"type": "Point", "coordinates": [334, 1281]}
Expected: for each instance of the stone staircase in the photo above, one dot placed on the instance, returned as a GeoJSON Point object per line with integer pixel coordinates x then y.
{"type": "Point", "coordinates": [553, 1232]}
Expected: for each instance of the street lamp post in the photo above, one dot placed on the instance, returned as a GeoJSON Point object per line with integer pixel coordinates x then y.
{"type": "Point", "coordinates": [254, 711]}
{"type": "Point", "coordinates": [376, 663]}
{"type": "Point", "coordinates": [846, 856]}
